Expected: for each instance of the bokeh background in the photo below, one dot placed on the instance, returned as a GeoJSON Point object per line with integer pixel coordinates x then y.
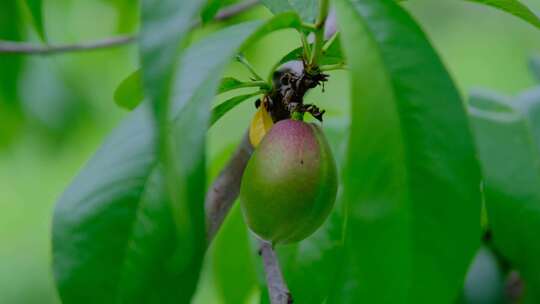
{"type": "Point", "coordinates": [56, 110]}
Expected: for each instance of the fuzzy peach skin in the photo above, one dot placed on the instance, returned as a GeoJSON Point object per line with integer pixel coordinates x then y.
{"type": "Point", "coordinates": [290, 183]}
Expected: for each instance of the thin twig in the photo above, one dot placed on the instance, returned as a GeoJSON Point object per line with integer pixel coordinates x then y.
{"type": "Point", "coordinates": [234, 10]}
{"type": "Point", "coordinates": [240, 58]}
{"type": "Point", "coordinates": [219, 199]}
{"type": "Point", "coordinates": [277, 288]}
{"type": "Point", "coordinates": [12, 47]}
{"type": "Point", "coordinates": [225, 189]}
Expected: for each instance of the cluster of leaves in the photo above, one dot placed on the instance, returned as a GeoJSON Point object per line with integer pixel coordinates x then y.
{"type": "Point", "coordinates": [131, 228]}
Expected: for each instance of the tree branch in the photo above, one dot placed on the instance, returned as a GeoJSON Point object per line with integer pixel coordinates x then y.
{"type": "Point", "coordinates": [12, 47]}
{"type": "Point", "coordinates": [234, 10]}
{"type": "Point", "coordinates": [225, 189]}
{"type": "Point", "coordinates": [277, 288]}
{"type": "Point", "coordinates": [219, 200]}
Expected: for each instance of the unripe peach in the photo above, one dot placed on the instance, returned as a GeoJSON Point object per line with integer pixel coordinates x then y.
{"type": "Point", "coordinates": [290, 183]}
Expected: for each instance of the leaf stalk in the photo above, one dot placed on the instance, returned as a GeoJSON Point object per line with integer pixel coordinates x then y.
{"type": "Point", "coordinates": [240, 58]}
{"type": "Point", "coordinates": [319, 34]}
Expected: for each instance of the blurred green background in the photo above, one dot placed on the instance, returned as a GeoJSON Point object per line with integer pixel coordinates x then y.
{"type": "Point", "coordinates": [56, 110]}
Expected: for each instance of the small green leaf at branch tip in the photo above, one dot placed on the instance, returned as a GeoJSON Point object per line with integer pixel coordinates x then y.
{"type": "Point", "coordinates": [223, 108]}
{"type": "Point", "coordinates": [306, 46]}
{"type": "Point", "coordinates": [36, 11]}
{"type": "Point", "coordinates": [330, 42]}
{"type": "Point", "coordinates": [310, 27]}
{"type": "Point", "coordinates": [331, 55]}
{"type": "Point", "coordinates": [230, 83]}
{"type": "Point", "coordinates": [333, 67]}
{"type": "Point", "coordinates": [129, 93]}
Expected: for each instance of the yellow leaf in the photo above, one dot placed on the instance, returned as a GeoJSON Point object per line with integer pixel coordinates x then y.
{"type": "Point", "coordinates": [260, 125]}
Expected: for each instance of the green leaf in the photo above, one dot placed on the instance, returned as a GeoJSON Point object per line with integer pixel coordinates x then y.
{"type": "Point", "coordinates": [129, 93]}
{"type": "Point", "coordinates": [36, 11]}
{"type": "Point", "coordinates": [210, 10]}
{"type": "Point", "coordinates": [333, 55]}
{"type": "Point", "coordinates": [228, 105]}
{"type": "Point", "coordinates": [113, 219]}
{"type": "Point", "coordinates": [233, 260]}
{"type": "Point", "coordinates": [212, 7]}
{"type": "Point", "coordinates": [10, 71]}
{"type": "Point", "coordinates": [278, 6]}
{"type": "Point", "coordinates": [229, 84]}
{"type": "Point", "coordinates": [508, 142]}
{"type": "Point", "coordinates": [114, 236]}
{"type": "Point", "coordinates": [10, 65]}
{"type": "Point", "coordinates": [411, 181]}
{"type": "Point", "coordinates": [164, 28]}
{"type": "Point", "coordinates": [534, 65]}
{"type": "Point", "coordinates": [127, 15]}
{"type": "Point", "coordinates": [513, 7]}
{"type": "Point", "coordinates": [307, 9]}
